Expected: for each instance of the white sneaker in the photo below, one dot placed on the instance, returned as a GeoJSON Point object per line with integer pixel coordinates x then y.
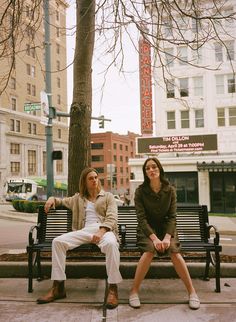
{"type": "Point", "coordinates": [194, 302]}
{"type": "Point", "coordinates": [134, 301]}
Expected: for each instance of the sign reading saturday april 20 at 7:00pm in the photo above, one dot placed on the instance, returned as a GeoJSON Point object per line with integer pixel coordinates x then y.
{"type": "Point", "coordinates": [184, 143]}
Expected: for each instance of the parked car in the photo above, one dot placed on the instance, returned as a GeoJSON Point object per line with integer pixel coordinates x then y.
{"type": "Point", "coordinates": [119, 202]}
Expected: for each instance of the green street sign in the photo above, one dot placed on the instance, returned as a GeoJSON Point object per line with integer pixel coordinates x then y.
{"type": "Point", "coordinates": [32, 107]}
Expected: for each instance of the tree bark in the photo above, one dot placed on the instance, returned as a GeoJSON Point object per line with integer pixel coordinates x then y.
{"type": "Point", "coordinates": [81, 108]}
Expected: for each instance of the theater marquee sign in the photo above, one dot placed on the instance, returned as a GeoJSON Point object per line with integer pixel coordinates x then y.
{"type": "Point", "coordinates": [182, 143]}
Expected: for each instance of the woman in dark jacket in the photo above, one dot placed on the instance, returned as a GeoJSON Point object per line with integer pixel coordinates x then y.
{"type": "Point", "coordinates": [155, 203]}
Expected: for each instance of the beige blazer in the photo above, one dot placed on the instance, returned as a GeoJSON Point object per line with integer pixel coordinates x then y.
{"type": "Point", "coordinates": [105, 206]}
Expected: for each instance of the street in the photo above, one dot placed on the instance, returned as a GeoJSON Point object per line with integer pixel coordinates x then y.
{"type": "Point", "coordinates": [13, 235]}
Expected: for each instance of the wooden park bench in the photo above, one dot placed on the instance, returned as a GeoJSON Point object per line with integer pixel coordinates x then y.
{"type": "Point", "coordinates": [192, 224]}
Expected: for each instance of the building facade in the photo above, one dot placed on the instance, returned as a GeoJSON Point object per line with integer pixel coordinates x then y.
{"type": "Point", "coordinates": [110, 153]}
{"type": "Point", "coordinates": [197, 100]}
{"type": "Point", "coordinates": [22, 130]}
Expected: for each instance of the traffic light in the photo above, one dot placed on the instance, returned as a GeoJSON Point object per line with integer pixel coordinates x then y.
{"type": "Point", "coordinates": [101, 122]}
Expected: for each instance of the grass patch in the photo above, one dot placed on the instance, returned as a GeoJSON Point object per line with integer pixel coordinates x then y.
{"type": "Point", "coordinates": [222, 214]}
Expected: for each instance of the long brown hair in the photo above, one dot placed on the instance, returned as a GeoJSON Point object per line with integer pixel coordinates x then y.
{"type": "Point", "coordinates": [162, 173]}
{"type": "Point", "coordinates": [82, 182]}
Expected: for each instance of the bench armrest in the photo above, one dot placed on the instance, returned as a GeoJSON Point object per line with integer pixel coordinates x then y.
{"type": "Point", "coordinates": [31, 231]}
{"type": "Point", "coordinates": [217, 234]}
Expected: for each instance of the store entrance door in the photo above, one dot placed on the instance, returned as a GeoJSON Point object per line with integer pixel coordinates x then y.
{"type": "Point", "coordinates": [223, 192]}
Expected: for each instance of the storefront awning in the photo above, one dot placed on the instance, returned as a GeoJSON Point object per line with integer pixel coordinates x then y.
{"type": "Point", "coordinates": [217, 166]}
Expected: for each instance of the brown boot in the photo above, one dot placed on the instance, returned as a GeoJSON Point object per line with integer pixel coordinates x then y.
{"type": "Point", "coordinates": [112, 297]}
{"type": "Point", "coordinates": [55, 293]}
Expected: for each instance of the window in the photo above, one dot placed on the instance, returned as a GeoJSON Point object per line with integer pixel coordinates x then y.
{"type": "Point", "coordinates": [34, 128]}
{"type": "Point", "coordinates": [28, 87]}
{"type": "Point", "coordinates": [28, 49]}
{"type": "Point", "coordinates": [17, 126]}
{"type": "Point", "coordinates": [59, 166]}
{"type": "Point", "coordinates": [57, 15]}
{"type": "Point", "coordinates": [170, 120]}
{"type": "Point", "coordinates": [31, 162]}
{"type": "Point", "coordinates": [231, 83]}
{"type": "Point", "coordinates": [197, 54]}
{"type": "Point", "coordinates": [184, 119]}
{"type": "Point", "coordinates": [44, 162]}
{"type": "Point", "coordinates": [97, 158]}
{"type": "Point", "coordinates": [13, 103]}
{"type": "Point", "coordinates": [167, 29]}
{"type": "Point", "coordinates": [97, 146]}
{"type": "Point", "coordinates": [15, 148]}
{"type": "Point", "coordinates": [170, 88]}
{"type": "Point", "coordinates": [58, 82]}
{"type": "Point", "coordinates": [221, 116]}
{"type": "Point", "coordinates": [15, 167]}
{"type": "Point", "coordinates": [33, 71]}
{"type": "Point", "coordinates": [232, 116]}
{"type": "Point", "coordinates": [121, 157]}
{"type": "Point", "coordinates": [114, 146]}
{"type": "Point", "coordinates": [29, 128]}
{"type": "Point", "coordinates": [195, 26]}
{"type": "Point", "coordinates": [59, 133]}
{"type": "Point", "coordinates": [199, 119]}
{"type": "Point", "coordinates": [121, 147]}
{"type": "Point", "coordinates": [33, 88]}
{"type": "Point", "coordinates": [28, 69]}
{"type": "Point", "coordinates": [218, 52]}
{"type": "Point", "coordinates": [219, 84]}
{"type": "Point", "coordinates": [100, 170]}
{"type": "Point", "coordinates": [58, 99]}
{"type": "Point", "coordinates": [12, 125]}
{"type": "Point", "coordinates": [58, 49]}
{"type": "Point", "coordinates": [229, 50]}
{"type": "Point", "coordinates": [183, 83]}
{"type": "Point", "coordinates": [183, 55]}
{"type": "Point", "coordinates": [32, 51]}
{"type": "Point", "coordinates": [58, 65]}
{"type": "Point", "coordinates": [13, 83]}
{"type": "Point", "coordinates": [58, 32]}
{"type": "Point", "coordinates": [169, 52]}
{"type": "Point", "coordinates": [198, 86]}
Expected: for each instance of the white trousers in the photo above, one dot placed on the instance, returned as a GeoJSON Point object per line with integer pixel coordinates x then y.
{"type": "Point", "coordinates": [108, 245]}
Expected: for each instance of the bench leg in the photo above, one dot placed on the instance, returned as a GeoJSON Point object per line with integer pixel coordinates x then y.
{"type": "Point", "coordinates": [104, 307]}
{"type": "Point", "coordinates": [30, 271]}
{"type": "Point", "coordinates": [208, 260]}
{"type": "Point", "coordinates": [39, 268]}
{"type": "Point", "coordinates": [217, 271]}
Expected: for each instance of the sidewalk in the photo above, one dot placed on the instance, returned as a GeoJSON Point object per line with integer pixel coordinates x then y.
{"type": "Point", "coordinates": [162, 301]}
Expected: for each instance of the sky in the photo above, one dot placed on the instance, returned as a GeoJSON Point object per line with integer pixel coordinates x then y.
{"type": "Point", "coordinates": [119, 101]}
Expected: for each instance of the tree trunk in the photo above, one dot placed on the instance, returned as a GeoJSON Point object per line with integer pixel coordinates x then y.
{"type": "Point", "coordinates": [81, 108]}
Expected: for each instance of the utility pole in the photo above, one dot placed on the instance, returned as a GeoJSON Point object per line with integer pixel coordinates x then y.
{"type": "Point", "coordinates": [48, 90]}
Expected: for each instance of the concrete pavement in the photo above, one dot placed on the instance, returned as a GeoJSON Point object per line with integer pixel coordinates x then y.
{"type": "Point", "coordinates": [162, 301]}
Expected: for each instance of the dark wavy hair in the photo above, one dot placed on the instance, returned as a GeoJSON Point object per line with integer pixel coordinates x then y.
{"type": "Point", "coordinates": [82, 182]}
{"type": "Point", "coordinates": [162, 173]}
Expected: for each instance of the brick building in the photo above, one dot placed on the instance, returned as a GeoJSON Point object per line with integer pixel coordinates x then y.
{"type": "Point", "coordinates": [110, 153]}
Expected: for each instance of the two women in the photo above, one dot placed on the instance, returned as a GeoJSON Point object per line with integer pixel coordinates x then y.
{"type": "Point", "coordinates": [155, 203]}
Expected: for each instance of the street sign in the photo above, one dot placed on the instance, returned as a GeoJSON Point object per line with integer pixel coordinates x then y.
{"type": "Point", "coordinates": [32, 107]}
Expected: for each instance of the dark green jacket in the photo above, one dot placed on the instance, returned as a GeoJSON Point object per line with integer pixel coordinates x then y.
{"type": "Point", "coordinates": [156, 212]}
